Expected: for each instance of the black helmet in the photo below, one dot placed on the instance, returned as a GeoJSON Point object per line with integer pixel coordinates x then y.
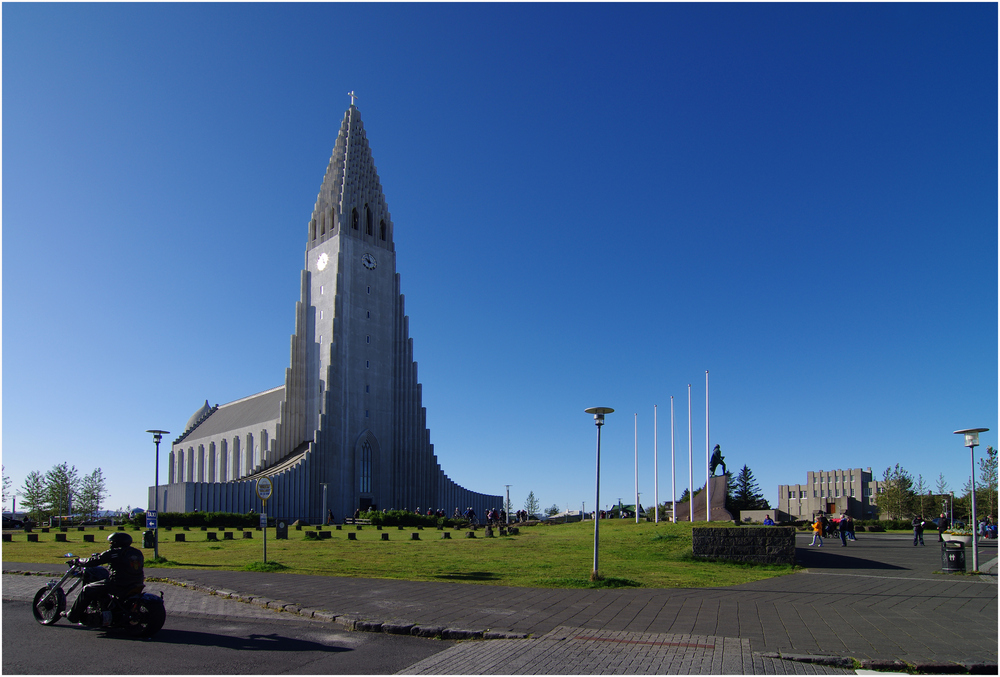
{"type": "Point", "coordinates": [119, 539]}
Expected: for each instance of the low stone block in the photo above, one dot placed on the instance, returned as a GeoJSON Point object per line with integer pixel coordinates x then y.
{"type": "Point", "coordinates": [446, 534]}
{"type": "Point", "coordinates": [178, 538]}
{"type": "Point", "coordinates": [385, 537]}
{"type": "Point", "coordinates": [470, 534]}
{"type": "Point", "coordinates": [212, 536]}
{"type": "Point", "coordinates": [368, 626]}
{"type": "Point", "coordinates": [227, 536]}
{"type": "Point", "coordinates": [414, 536]}
{"type": "Point", "coordinates": [88, 538]}
{"type": "Point", "coordinates": [8, 538]}
{"type": "Point", "coordinates": [351, 536]}
{"type": "Point", "coordinates": [311, 536]}
{"type": "Point", "coordinates": [397, 628]}
{"type": "Point", "coordinates": [325, 534]}
{"type": "Point", "coordinates": [32, 538]}
{"type": "Point", "coordinates": [247, 534]}
{"type": "Point", "coordinates": [426, 630]}
{"type": "Point", "coordinates": [61, 537]}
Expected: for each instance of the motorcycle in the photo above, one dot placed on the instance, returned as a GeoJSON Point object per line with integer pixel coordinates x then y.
{"type": "Point", "coordinates": [140, 614]}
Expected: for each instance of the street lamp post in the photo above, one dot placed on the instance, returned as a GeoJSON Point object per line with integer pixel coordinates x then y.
{"type": "Point", "coordinates": [598, 413]}
{"type": "Point", "coordinates": [972, 441]}
{"type": "Point", "coordinates": [157, 436]}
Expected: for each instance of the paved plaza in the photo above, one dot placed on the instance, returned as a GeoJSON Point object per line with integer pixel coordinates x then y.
{"type": "Point", "coordinates": [876, 603]}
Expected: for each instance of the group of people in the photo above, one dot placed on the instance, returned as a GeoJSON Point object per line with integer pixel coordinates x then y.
{"type": "Point", "coordinates": [824, 527]}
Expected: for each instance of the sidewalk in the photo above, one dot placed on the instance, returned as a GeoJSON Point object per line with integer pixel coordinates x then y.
{"type": "Point", "coordinates": [876, 601]}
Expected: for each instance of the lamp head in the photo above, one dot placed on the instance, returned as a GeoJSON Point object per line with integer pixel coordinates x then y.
{"type": "Point", "coordinates": [971, 436]}
{"type": "Point", "coordinates": [158, 434]}
{"type": "Point", "coordinates": [598, 413]}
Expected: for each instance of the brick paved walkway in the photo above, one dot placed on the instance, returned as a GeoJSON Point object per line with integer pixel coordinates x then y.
{"type": "Point", "coordinates": [877, 601]}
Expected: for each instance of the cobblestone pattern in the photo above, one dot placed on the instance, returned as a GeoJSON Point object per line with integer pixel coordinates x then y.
{"type": "Point", "coordinates": [581, 651]}
{"type": "Point", "coordinates": [773, 545]}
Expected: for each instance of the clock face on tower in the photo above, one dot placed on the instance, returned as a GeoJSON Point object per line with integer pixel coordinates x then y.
{"type": "Point", "coordinates": [322, 261]}
{"type": "Point", "coordinates": [369, 261]}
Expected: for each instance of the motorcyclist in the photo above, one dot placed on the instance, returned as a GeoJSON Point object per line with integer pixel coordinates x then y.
{"type": "Point", "coordinates": [125, 563]}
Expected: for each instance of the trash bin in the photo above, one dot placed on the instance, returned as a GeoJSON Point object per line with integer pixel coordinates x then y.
{"type": "Point", "coordinates": [953, 557]}
{"type": "Point", "coordinates": [148, 539]}
{"type": "Point", "coordinates": [281, 529]}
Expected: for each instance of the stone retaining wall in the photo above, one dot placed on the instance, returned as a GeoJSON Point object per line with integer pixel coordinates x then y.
{"type": "Point", "coordinates": [761, 545]}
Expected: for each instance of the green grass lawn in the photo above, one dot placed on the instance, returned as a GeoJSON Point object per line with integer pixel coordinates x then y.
{"type": "Point", "coordinates": [554, 556]}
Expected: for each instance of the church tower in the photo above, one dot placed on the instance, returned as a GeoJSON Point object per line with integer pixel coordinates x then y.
{"type": "Point", "coordinates": [349, 416]}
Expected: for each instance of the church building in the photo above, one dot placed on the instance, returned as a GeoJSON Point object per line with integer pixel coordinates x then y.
{"type": "Point", "coordinates": [347, 429]}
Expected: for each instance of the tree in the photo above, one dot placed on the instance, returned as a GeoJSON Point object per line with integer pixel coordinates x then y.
{"type": "Point", "coordinates": [745, 493]}
{"type": "Point", "coordinates": [896, 499]}
{"type": "Point", "coordinates": [6, 486]}
{"type": "Point", "coordinates": [92, 493]}
{"type": "Point", "coordinates": [942, 486]}
{"type": "Point", "coordinates": [62, 483]}
{"type": "Point", "coordinates": [922, 495]}
{"type": "Point", "coordinates": [531, 504]}
{"type": "Point", "coordinates": [508, 506]}
{"type": "Point", "coordinates": [986, 494]}
{"type": "Point", "coordinates": [685, 496]}
{"type": "Point", "coordinates": [552, 510]}
{"type": "Point", "coordinates": [34, 495]}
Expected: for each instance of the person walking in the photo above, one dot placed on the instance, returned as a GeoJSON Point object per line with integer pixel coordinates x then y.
{"type": "Point", "coordinates": [942, 526]}
{"type": "Point", "coordinates": [844, 527]}
{"type": "Point", "coordinates": [817, 533]}
{"type": "Point", "coordinates": [918, 530]}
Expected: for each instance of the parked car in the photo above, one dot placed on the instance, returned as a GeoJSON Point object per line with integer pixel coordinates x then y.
{"type": "Point", "coordinates": [11, 523]}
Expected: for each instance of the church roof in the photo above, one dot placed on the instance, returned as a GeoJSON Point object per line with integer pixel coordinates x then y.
{"type": "Point", "coordinates": [351, 180]}
{"type": "Point", "coordinates": [252, 410]}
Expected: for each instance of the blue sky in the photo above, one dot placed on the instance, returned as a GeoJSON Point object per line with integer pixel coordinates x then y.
{"type": "Point", "coordinates": [593, 204]}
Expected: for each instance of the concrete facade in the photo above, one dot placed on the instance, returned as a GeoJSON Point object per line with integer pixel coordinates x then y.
{"type": "Point", "coordinates": [349, 415]}
{"type": "Point", "coordinates": [833, 492]}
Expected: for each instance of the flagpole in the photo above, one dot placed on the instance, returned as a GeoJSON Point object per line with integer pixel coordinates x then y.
{"type": "Point", "coordinates": [656, 475]}
{"type": "Point", "coordinates": [690, 461]}
{"type": "Point", "coordinates": [673, 467]}
{"type": "Point", "coordinates": [636, 468]}
{"type": "Point", "coordinates": [708, 467]}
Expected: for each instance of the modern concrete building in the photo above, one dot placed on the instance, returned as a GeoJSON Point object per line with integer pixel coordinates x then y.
{"type": "Point", "coordinates": [833, 492]}
{"type": "Point", "coordinates": [347, 429]}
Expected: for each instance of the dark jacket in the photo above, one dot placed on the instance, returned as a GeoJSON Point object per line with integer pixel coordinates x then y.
{"type": "Point", "coordinates": [125, 565]}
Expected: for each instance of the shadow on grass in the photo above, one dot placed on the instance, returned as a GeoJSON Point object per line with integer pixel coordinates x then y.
{"type": "Point", "coordinates": [600, 584]}
{"type": "Point", "coordinates": [470, 576]}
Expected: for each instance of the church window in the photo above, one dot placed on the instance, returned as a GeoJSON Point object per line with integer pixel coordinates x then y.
{"type": "Point", "coordinates": [354, 219]}
{"type": "Point", "coordinates": [366, 388]}
{"type": "Point", "coordinates": [368, 364]}
{"type": "Point", "coordinates": [369, 290]}
{"type": "Point", "coordinates": [366, 413]}
{"type": "Point", "coordinates": [312, 229]}
{"type": "Point", "coordinates": [381, 230]}
{"type": "Point", "coordinates": [368, 339]}
{"type": "Point", "coordinates": [368, 220]}
{"type": "Point", "coordinates": [366, 467]}
{"type": "Point", "coordinates": [369, 314]}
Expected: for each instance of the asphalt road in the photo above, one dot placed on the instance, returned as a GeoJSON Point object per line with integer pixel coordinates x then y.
{"type": "Point", "coordinates": [209, 636]}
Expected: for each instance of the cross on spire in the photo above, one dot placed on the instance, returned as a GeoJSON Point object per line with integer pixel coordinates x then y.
{"type": "Point", "coordinates": [353, 96]}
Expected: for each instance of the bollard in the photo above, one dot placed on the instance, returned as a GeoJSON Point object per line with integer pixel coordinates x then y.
{"type": "Point", "coordinates": [414, 536]}
{"type": "Point", "coordinates": [351, 536]}
{"type": "Point", "coordinates": [227, 536]}
{"type": "Point", "coordinates": [385, 537]}
{"type": "Point", "coordinates": [178, 538]}
{"type": "Point", "coordinates": [446, 534]}
{"type": "Point", "coordinates": [61, 537]}
{"type": "Point", "coordinates": [32, 538]}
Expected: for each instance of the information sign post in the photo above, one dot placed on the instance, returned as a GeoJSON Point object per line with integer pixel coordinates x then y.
{"type": "Point", "coordinates": [264, 490]}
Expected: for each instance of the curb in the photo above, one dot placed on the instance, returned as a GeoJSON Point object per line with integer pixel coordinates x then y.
{"type": "Point", "coordinates": [884, 665]}
{"type": "Point", "coordinates": [351, 623]}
